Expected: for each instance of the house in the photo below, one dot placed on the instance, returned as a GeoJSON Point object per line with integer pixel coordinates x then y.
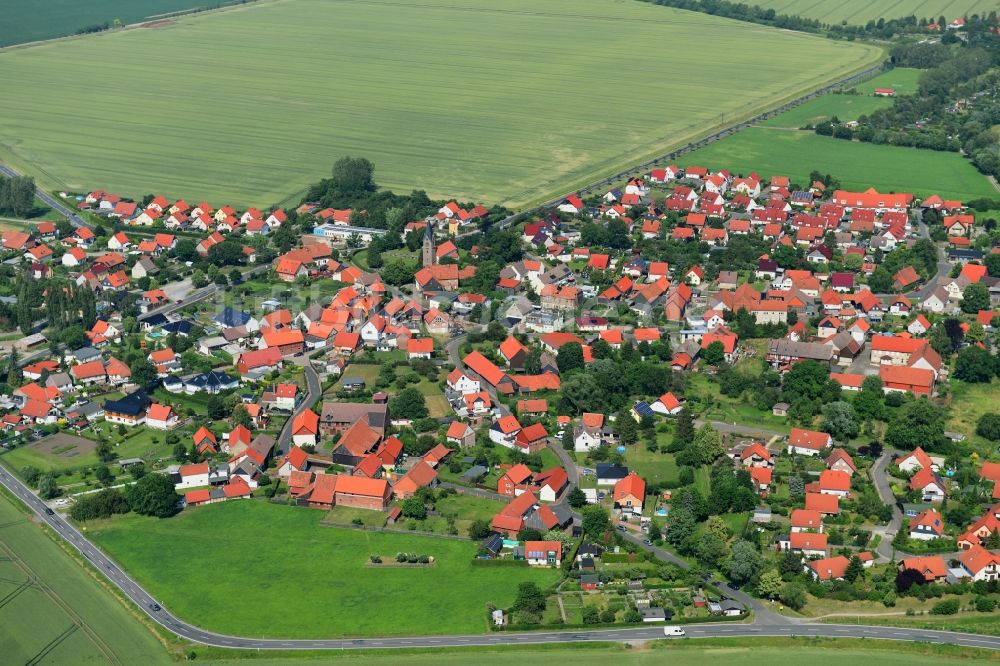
{"type": "Point", "coordinates": [461, 434]}
{"type": "Point", "coordinates": [932, 567]}
{"type": "Point", "coordinates": [505, 430]}
{"type": "Point", "coordinates": [327, 490]}
{"type": "Point", "coordinates": [927, 525]}
{"type": "Point", "coordinates": [192, 476]}
{"type": "Point", "coordinates": [829, 568]}
{"type": "Point", "coordinates": [808, 442]}
{"type": "Point", "coordinates": [840, 460]}
{"type": "Point", "coordinates": [806, 520]}
{"type": "Point", "coordinates": [667, 404]}
{"type": "Point", "coordinates": [828, 505]}
{"type": "Point", "coordinates": [756, 455]}
{"type": "Point", "coordinates": [978, 563]}
{"type": "Point", "coordinates": [543, 553]}
{"type": "Point", "coordinates": [305, 428]}
{"type": "Point", "coordinates": [419, 348]}
{"type": "Point", "coordinates": [161, 417]}
{"type": "Point", "coordinates": [835, 482]}
{"type": "Point", "coordinates": [930, 485]}
{"type": "Point", "coordinates": [630, 493]}
{"type": "Point", "coordinates": [610, 475]}
{"type": "Point", "coordinates": [421, 475]}
{"type": "Point", "coordinates": [916, 460]}
{"type": "Point", "coordinates": [917, 381]}
{"type": "Point", "coordinates": [807, 544]}
{"type": "Point", "coordinates": [130, 410]}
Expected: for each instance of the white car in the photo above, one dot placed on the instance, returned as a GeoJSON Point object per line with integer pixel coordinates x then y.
{"type": "Point", "coordinates": [673, 631]}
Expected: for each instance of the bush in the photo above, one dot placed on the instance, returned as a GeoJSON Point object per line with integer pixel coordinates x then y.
{"type": "Point", "coordinates": [946, 607]}
{"type": "Point", "coordinates": [986, 604]}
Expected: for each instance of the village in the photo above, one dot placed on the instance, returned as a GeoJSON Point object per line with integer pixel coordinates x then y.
{"type": "Point", "coordinates": [693, 387]}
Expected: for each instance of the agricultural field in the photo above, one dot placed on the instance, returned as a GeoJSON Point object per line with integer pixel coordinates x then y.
{"type": "Point", "coordinates": [849, 107]}
{"type": "Point", "coordinates": [248, 106]}
{"type": "Point", "coordinates": [34, 20]}
{"type": "Point", "coordinates": [299, 566]}
{"type": "Point", "coordinates": [859, 12]}
{"type": "Point", "coordinates": [45, 592]}
{"type": "Point", "coordinates": [770, 151]}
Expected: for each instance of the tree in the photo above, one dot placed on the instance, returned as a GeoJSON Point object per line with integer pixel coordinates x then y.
{"type": "Point", "coordinates": [714, 353]}
{"type": "Point", "coordinates": [581, 393]}
{"type": "Point", "coordinates": [793, 595]}
{"type": "Point", "coordinates": [989, 426]}
{"type": "Point", "coordinates": [101, 504]}
{"type": "Point", "coordinates": [414, 507]}
{"type": "Point", "coordinates": [880, 281]}
{"type": "Point", "coordinates": [710, 549]}
{"type": "Point", "coordinates": [744, 562]}
{"type": "Point", "coordinates": [790, 563]}
{"type": "Point", "coordinates": [479, 529]}
{"type": "Point", "coordinates": [975, 297]}
{"type": "Point", "coordinates": [868, 403]}
{"type": "Point", "coordinates": [241, 417]}
{"type": "Point", "coordinates": [228, 253]}
{"type": "Point", "coordinates": [47, 487]}
{"type": "Point", "coordinates": [31, 475]}
{"type": "Point", "coordinates": [681, 525]}
{"type": "Point", "coordinates": [840, 420]}
{"type": "Point", "coordinates": [529, 599]}
{"type": "Point", "coordinates": [654, 532]}
{"type": "Point", "coordinates": [397, 273]}
{"type": "Point", "coordinates": [353, 176]}
{"type": "Point", "coordinates": [154, 495]}
{"type": "Point", "coordinates": [625, 427]}
{"type": "Point", "coordinates": [216, 407]}
{"type": "Point", "coordinates": [567, 438]}
{"type": "Point", "coordinates": [769, 585]}
{"type": "Point", "coordinates": [576, 498]}
{"type": "Point", "coordinates": [918, 423]}
{"type": "Point", "coordinates": [143, 372]}
{"type": "Point", "coordinates": [974, 365]}
{"type": "Point", "coordinates": [595, 520]}
{"type": "Point", "coordinates": [855, 569]}
{"type": "Point", "coordinates": [907, 578]}
{"type": "Point", "coordinates": [707, 445]}
{"type": "Point", "coordinates": [684, 433]}
{"type": "Point", "coordinates": [103, 475]}
{"type": "Point", "coordinates": [104, 451]}
{"type": "Point", "coordinates": [408, 404]}
{"type": "Point", "coordinates": [569, 358]}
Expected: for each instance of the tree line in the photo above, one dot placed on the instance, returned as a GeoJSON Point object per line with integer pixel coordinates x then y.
{"type": "Point", "coordinates": [17, 195]}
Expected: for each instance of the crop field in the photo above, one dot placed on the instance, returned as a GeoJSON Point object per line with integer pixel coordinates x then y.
{"type": "Point", "coordinates": [313, 581]}
{"type": "Point", "coordinates": [770, 151]}
{"type": "Point", "coordinates": [849, 107]}
{"type": "Point", "coordinates": [33, 20]}
{"type": "Point", "coordinates": [250, 105]}
{"type": "Point", "coordinates": [54, 612]}
{"type": "Point", "coordinates": [859, 12]}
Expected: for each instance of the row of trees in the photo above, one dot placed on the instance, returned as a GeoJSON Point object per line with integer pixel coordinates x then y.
{"type": "Point", "coordinates": [151, 495]}
{"type": "Point", "coordinates": [17, 195]}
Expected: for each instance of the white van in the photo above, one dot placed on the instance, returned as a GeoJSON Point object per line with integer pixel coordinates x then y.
{"type": "Point", "coordinates": [673, 631]}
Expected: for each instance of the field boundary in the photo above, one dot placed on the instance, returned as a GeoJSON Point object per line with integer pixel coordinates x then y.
{"type": "Point", "coordinates": [664, 158]}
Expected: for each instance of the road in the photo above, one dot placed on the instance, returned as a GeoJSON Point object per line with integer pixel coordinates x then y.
{"type": "Point", "coordinates": [314, 390]}
{"type": "Point", "coordinates": [52, 202]}
{"type": "Point", "coordinates": [885, 550]}
{"type": "Point", "coordinates": [765, 622]}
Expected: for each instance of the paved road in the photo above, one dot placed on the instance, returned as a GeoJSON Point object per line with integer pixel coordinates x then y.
{"type": "Point", "coordinates": [314, 392]}
{"type": "Point", "coordinates": [52, 202]}
{"type": "Point", "coordinates": [765, 624]}
{"type": "Point", "coordinates": [885, 549]}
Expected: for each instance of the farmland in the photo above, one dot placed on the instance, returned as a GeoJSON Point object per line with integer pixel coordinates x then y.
{"type": "Point", "coordinates": [248, 106]}
{"type": "Point", "coordinates": [298, 566]}
{"type": "Point", "coordinates": [849, 107]}
{"type": "Point", "coordinates": [33, 20]}
{"type": "Point", "coordinates": [859, 12]}
{"type": "Point", "coordinates": [770, 151]}
{"type": "Point", "coordinates": [45, 593]}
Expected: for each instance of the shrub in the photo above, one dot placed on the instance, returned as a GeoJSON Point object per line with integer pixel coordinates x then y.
{"type": "Point", "coordinates": [946, 607]}
{"type": "Point", "coordinates": [986, 604]}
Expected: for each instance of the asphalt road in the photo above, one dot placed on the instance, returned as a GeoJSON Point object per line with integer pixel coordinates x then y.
{"type": "Point", "coordinates": [885, 549]}
{"type": "Point", "coordinates": [51, 202]}
{"type": "Point", "coordinates": [765, 624]}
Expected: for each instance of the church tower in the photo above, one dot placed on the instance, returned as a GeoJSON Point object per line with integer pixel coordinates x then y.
{"type": "Point", "coordinates": [428, 251]}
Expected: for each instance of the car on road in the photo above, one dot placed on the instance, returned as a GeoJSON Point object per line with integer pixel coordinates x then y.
{"type": "Point", "coordinates": [648, 542]}
{"type": "Point", "coordinates": [154, 606]}
{"type": "Point", "coordinates": [673, 631]}
{"type": "Point", "coordinates": [49, 512]}
{"type": "Point", "coordinates": [621, 528]}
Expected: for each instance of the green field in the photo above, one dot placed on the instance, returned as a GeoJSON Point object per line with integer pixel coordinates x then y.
{"type": "Point", "coordinates": [314, 581]}
{"type": "Point", "coordinates": [248, 106]}
{"type": "Point", "coordinates": [859, 12]}
{"type": "Point", "coordinates": [138, 445]}
{"type": "Point", "coordinates": [849, 107]}
{"type": "Point", "coordinates": [45, 593]}
{"type": "Point", "coordinates": [770, 151]}
{"type": "Point", "coordinates": [33, 20]}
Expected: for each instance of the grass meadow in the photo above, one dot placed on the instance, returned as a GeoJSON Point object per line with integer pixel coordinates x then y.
{"type": "Point", "coordinates": [859, 12]}
{"type": "Point", "coordinates": [507, 101]}
{"type": "Point", "coordinates": [770, 151]}
{"type": "Point", "coordinates": [297, 579]}
{"type": "Point", "coordinates": [849, 107]}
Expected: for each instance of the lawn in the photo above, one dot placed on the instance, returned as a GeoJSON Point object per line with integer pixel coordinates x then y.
{"type": "Point", "coordinates": [849, 107]}
{"type": "Point", "coordinates": [514, 114]}
{"type": "Point", "coordinates": [859, 12]}
{"type": "Point", "coordinates": [771, 151]}
{"type": "Point", "coordinates": [61, 594]}
{"type": "Point", "coordinates": [295, 567]}
{"type": "Point", "coordinates": [654, 467]}
{"type": "Point", "coordinates": [968, 402]}
{"type": "Point", "coordinates": [138, 443]}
